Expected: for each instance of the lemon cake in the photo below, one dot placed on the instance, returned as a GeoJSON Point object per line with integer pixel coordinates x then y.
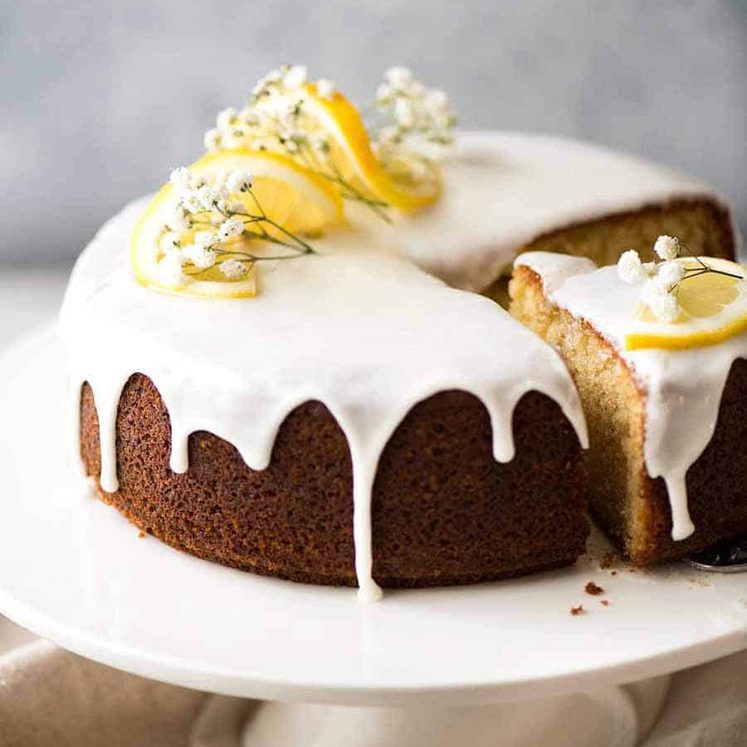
{"type": "Point", "coordinates": [664, 396]}
{"type": "Point", "coordinates": [284, 361]}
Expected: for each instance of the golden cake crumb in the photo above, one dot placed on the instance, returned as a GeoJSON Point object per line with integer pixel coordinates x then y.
{"type": "Point", "coordinates": [593, 589]}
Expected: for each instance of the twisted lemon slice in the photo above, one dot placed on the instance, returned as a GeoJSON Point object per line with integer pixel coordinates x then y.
{"type": "Point", "coordinates": [295, 200]}
{"type": "Point", "coordinates": [713, 307]}
{"type": "Point", "coordinates": [352, 157]}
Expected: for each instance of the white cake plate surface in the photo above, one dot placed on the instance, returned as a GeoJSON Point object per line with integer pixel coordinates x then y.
{"type": "Point", "coordinates": [73, 570]}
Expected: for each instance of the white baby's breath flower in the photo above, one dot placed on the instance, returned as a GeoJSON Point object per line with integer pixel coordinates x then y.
{"type": "Point", "coordinates": [383, 93]}
{"type": "Point", "coordinates": [233, 269]}
{"type": "Point", "coordinates": [191, 202]}
{"type": "Point", "coordinates": [247, 115]}
{"type": "Point", "coordinates": [181, 179]}
{"type": "Point", "coordinates": [272, 79]}
{"type": "Point", "coordinates": [168, 241]}
{"type": "Point", "coordinates": [418, 122]}
{"type": "Point", "coordinates": [220, 204]}
{"type": "Point", "coordinates": [208, 196]}
{"type": "Point", "coordinates": [651, 289]}
{"type": "Point", "coordinates": [416, 89]}
{"type": "Point", "coordinates": [404, 115]}
{"type": "Point", "coordinates": [295, 76]}
{"type": "Point", "coordinates": [226, 118]}
{"type": "Point", "coordinates": [655, 296]}
{"type": "Point", "coordinates": [387, 136]}
{"type": "Point", "coordinates": [436, 100]}
{"type": "Point", "coordinates": [236, 133]}
{"type": "Point", "coordinates": [287, 110]}
{"type": "Point", "coordinates": [230, 228]}
{"type": "Point", "coordinates": [200, 256]}
{"type": "Point", "coordinates": [179, 220]}
{"type": "Point", "coordinates": [204, 239]}
{"type": "Point", "coordinates": [667, 247]}
{"type": "Point", "coordinates": [238, 181]}
{"type": "Point", "coordinates": [218, 180]}
{"type": "Point", "coordinates": [670, 274]}
{"type": "Point", "coordinates": [661, 302]}
{"type": "Point", "coordinates": [169, 270]}
{"type": "Point", "coordinates": [418, 168]}
{"type": "Point", "coordinates": [325, 88]}
{"type": "Point", "coordinates": [398, 77]}
{"type": "Point", "coordinates": [212, 140]}
{"type": "Point", "coordinates": [235, 206]}
{"type": "Point", "coordinates": [629, 267]}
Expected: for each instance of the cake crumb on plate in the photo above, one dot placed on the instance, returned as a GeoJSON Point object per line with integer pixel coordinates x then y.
{"type": "Point", "coordinates": [593, 589]}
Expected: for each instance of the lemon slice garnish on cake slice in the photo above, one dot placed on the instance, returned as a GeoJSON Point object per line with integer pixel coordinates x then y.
{"type": "Point", "coordinates": [353, 159]}
{"type": "Point", "coordinates": [713, 308]}
{"type": "Point", "coordinates": [296, 200]}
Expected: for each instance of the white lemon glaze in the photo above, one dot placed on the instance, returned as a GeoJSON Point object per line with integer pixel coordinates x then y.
{"type": "Point", "coordinates": [682, 388]}
{"type": "Point", "coordinates": [360, 328]}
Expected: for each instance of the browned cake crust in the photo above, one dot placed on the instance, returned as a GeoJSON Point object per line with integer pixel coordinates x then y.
{"type": "Point", "coordinates": [631, 506]}
{"type": "Point", "coordinates": [702, 224]}
{"type": "Point", "coordinates": [444, 512]}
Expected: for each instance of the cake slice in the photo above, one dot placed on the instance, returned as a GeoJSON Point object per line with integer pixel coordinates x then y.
{"type": "Point", "coordinates": [667, 428]}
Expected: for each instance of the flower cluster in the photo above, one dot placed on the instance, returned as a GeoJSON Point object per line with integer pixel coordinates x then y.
{"type": "Point", "coordinates": [210, 227]}
{"type": "Point", "coordinates": [273, 119]}
{"type": "Point", "coordinates": [276, 119]}
{"type": "Point", "coordinates": [417, 121]}
{"type": "Point", "coordinates": [414, 125]}
{"type": "Point", "coordinates": [661, 280]}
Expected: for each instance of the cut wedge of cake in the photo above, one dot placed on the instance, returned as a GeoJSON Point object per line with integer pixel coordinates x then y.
{"type": "Point", "coordinates": [667, 428]}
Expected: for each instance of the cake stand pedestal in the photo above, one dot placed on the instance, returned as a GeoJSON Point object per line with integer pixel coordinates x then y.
{"type": "Point", "coordinates": [74, 571]}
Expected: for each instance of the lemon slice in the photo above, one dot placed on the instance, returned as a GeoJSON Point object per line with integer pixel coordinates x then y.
{"type": "Point", "coordinates": [352, 157]}
{"type": "Point", "coordinates": [713, 307]}
{"type": "Point", "coordinates": [298, 202]}
{"type": "Point", "coordinates": [295, 197]}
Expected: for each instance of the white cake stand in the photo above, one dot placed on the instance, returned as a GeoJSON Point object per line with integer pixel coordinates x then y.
{"type": "Point", "coordinates": [74, 571]}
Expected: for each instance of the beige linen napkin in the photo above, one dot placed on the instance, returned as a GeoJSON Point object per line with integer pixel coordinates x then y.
{"type": "Point", "coordinates": [51, 698]}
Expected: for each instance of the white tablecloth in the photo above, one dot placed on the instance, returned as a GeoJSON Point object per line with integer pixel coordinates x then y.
{"type": "Point", "coordinates": [51, 697]}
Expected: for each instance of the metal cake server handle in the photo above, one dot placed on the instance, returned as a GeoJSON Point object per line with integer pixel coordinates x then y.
{"type": "Point", "coordinates": [724, 557]}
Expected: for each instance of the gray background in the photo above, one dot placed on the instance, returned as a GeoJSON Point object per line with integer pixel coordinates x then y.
{"type": "Point", "coordinates": [99, 99]}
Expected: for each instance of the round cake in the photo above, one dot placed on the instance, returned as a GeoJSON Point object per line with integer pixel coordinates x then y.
{"type": "Point", "coordinates": [370, 418]}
